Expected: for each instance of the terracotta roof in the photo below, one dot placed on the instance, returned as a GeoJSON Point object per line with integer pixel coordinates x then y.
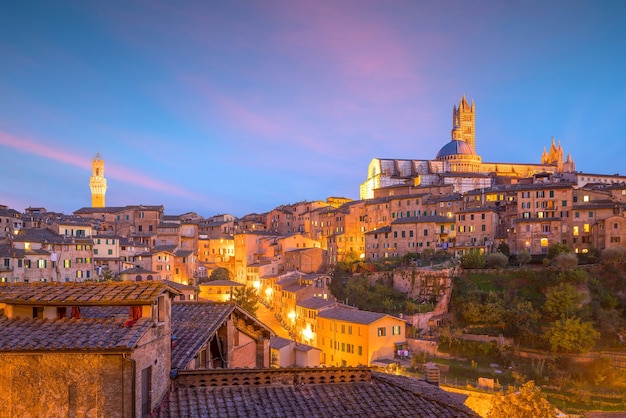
{"type": "Point", "coordinates": [422, 219]}
{"type": "Point", "coordinates": [277, 342]}
{"type": "Point", "coordinates": [381, 397]}
{"type": "Point", "coordinates": [221, 283]}
{"type": "Point", "coordinates": [27, 334]}
{"type": "Point", "coordinates": [351, 315]}
{"type": "Point", "coordinates": [193, 323]}
{"type": "Point", "coordinates": [314, 303]}
{"type": "Point", "coordinates": [82, 294]}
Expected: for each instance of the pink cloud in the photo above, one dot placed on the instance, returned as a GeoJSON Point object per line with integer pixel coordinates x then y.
{"type": "Point", "coordinates": [371, 57]}
{"type": "Point", "coordinates": [112, 170]}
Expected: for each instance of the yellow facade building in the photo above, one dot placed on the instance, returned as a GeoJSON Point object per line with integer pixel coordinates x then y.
{"type": "Point", "coordinates": [351, 337]}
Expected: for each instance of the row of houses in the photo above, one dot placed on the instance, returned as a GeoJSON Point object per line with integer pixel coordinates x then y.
{"type": "Point", "coordinates": [528, 215]}
{"type": "Point", "coordinates": [133, 349]}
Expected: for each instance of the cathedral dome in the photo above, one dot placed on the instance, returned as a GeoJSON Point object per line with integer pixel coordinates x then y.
{"type": "Point", "coordinates": [455, 147]}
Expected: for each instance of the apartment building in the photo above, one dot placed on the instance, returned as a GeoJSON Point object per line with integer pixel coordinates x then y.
{"type": "Point", "coordinates": [352, 337]}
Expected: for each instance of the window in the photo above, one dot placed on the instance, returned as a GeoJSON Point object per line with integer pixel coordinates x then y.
{"type": "Point", "coordinates": [396, 330]}
{"type": "Point", "coordinates": [591, 214]}
{"type": "Point", "coordinates": [564, 203]}
{"type": "Point", "coordinates": [586, 227]}
{"type": "Point", "coordinates": [545, 228]}
{"type": "Point", "coordinates": [483, 228]}
{"type": "Point", "coordinates": [426, 232]}
{"type": "Point", "coordinates": [382, 331]}
{"type": "Point", "coordinates": [41, 264]}
{"type": "Point", "coordinates": [360, 350]}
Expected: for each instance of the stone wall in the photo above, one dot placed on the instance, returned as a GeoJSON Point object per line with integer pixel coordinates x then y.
{"type": "Point", "coordinates": [68, 385]}
{"type": "Point", "coordinates": [417, 283]}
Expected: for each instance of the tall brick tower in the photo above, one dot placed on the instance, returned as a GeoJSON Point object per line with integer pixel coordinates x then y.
{"type": "Point", "coordinates": [464, 118]}
{"type": "Point", "coordinates": [97, 182]}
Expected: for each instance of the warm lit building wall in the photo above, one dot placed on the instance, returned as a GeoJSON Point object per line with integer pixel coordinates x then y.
{"type": "Point", "coordinates": [377, 213]}
{"type": "Point", "coordinates": [477, 227]}
{"type": "Point", "coordinates": [218, 291]}
{"type": "Point", "coordinates": [609, 232]}
{"type": "Point", "coordinates": [349, 343]}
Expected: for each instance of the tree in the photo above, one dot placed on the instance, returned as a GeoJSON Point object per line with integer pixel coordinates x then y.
{"type": "Point", "coordinates": [558, 248]}
{"type": "Point", "coordinates": [613, 256]}
{"type": "Point", "coordinates": [220, 273]}
{"type": "Point", "coordinates": [565, 261]}
{"type": "Point", "coordinates": [571, 336]}
{"type": "Point", "coordinates": [528, 402]}
{"type": "Point", "coordinates": [562, 301]}
{"type": "Point", "coordinates": [473, 259]}
{"type": "Point", "coordinates": [247, 298]}
{"type": "Point", "coordinates": [521, 319]}
{"type": "Point", "coordinates": [497, 260]}
{"type": "Point", "coordinates": [523, 258]}
{"type": "Point", "coordinates": [504, 249]}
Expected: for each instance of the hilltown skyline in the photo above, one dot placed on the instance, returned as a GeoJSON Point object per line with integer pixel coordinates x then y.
{"type": "Point", "coordinates": [238, 109]}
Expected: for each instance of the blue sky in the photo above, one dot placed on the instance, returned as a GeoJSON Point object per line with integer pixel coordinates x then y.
{"type": "Point", "coordinates": [240, 106]}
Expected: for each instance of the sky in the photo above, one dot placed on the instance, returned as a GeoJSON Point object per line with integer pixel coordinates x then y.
{"type": "Point", "coordinates": [240, 106]}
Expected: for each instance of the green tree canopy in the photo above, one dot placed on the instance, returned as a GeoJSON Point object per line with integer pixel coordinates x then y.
{"type": "Point", "coordinates": [473, 259]}
{"type": "Point", "coordinates": [528, 402]}
{"type": "Point", "coordinates": [562, 301]}
{"type": "Point", "coordinates": [246, 297]}
{"type": "Point", "coordinates": [220, 273]}
{"type": "Point", "coordinates": [571, 336]}
{"type": "Point", "coordinates": [558, 248]}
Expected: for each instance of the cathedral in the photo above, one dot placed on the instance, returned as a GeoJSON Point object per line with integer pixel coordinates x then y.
{"type": "Point", "coordinates": [458, 164]}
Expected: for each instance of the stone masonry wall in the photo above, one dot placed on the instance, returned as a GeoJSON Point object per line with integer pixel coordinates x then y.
{"type": "Point", "coordinates": [68, 385]}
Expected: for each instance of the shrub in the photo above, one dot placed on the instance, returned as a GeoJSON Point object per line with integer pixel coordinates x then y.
{"type": "Point", "coordinates": [565, 261]}
{"type": "Point", "coordinates": [497, 260]}
{"type": "Point", "coordinates": [613, 256]}
{"type": "Point", "coordinates": [473, 259]}
{"type": "Point", "coordinates": [523, 258]}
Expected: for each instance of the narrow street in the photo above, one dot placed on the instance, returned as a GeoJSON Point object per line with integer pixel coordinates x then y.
{"type": "Point", "coordinates": [266, 315]}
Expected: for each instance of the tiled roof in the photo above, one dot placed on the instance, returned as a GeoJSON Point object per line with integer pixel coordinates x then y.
{"type": "Point", "coordinates": [221, 283]}
{"type": "Point", "coordinates": [422, 219]}
{"type": "Point", "coordinates": [193, 323]}
{"type": "Point", "coordinates": [82, 294]}
{"type": "Point", "coordinates": [6, 251]}
{"type": "Point", "coordinates": [314, 303]}
{"type": "Point", "coordinates": [351, 315]}
{"type": "Point", "coordinates": [166, 248]}
{"type": "Point", "coordinates": [29, 334]}
{"type": "Point", "coordinates": [380, 397]}
{"type": "Point", "coordinates": [277, 342]}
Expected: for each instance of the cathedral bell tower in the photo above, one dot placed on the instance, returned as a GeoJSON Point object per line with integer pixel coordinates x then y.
{"type": "Point", "coordinates": [97, 182]}
{"type": "Point", "coordinates": [464, 118]}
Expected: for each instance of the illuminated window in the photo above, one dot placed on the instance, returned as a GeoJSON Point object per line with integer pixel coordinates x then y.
{"type": "Point", "coordinates": [586, 227]}
{"type": "Point", "coordinates": [544, 242]}
{"type": "Point", "coordinates": [382, 331]}
{"type": "Point", "coordinates": [395, 330]}
{"type": "Point", "coordinates": [586, 198]}
{"type": "Point", "coordinates": [575, 230]}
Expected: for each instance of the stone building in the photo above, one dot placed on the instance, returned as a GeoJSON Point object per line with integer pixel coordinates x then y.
{"type": "Point", "coordinates": [457, 162]}
{"type": "Point", "coordinates": [84, 366]}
